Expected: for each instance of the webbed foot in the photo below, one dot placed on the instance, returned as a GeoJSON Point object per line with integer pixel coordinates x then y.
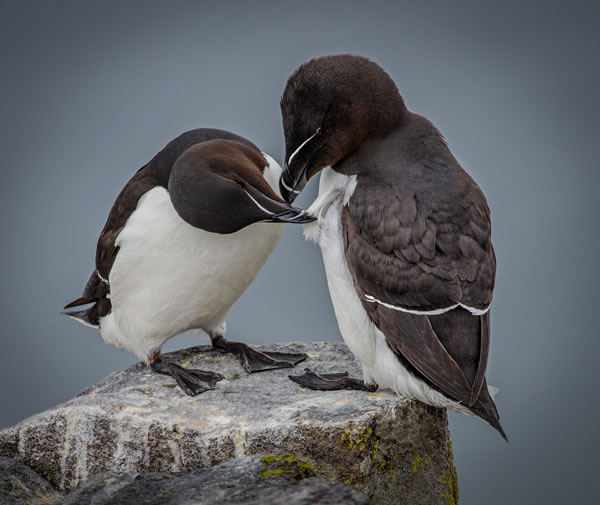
{"type": "Point", "coordinates": [330, 381]}
{"type": "Point", "coordinates": [191, 381]}
{"type": "Point", "coordinates": [257, 361]}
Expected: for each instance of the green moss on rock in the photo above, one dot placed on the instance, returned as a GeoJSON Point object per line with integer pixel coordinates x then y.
{"type": "Point", "coordinates": [358, 441]}
{"type": "Point", "coordinates": [374, 451]}
{"type": "Point", "coordinates": [450, 480]}
{"type": "Point", "coordinates": [289, 466]}
{"type": "Point", "coordinates": [417, 461]}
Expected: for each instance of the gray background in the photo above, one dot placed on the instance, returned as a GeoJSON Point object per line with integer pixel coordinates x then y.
{"type": "Point", "coordinates": [91, 91]}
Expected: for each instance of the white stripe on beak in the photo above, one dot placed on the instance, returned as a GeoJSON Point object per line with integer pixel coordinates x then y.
{"type": "Point", "coordinates": [287, 187]}
{"type": "Point", "coordinates": [300, 147]}
{"type": "Point", "coordinates": [259, 205]}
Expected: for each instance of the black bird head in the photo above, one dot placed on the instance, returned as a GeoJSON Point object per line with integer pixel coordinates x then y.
{"type": "Point", "coordinates": [329, 107]}
{"type": "Point", "coordinates": [220, 186]}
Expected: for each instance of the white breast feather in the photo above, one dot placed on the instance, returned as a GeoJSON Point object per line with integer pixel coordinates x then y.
{"type": "Point", "coordinates": [169, 277]}
{"type": "Point", "coordinates": [380, 364]}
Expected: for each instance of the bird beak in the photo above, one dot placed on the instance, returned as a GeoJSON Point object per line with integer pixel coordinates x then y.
{"type": "Point", "coordinates": [295, 216]}
{"type": "Point", "coordinates": [289, 186]}
{"type": "Point", "coordinates": [274, 210]}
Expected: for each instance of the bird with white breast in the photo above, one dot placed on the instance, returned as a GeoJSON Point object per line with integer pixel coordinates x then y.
{"type": "Point", "coordinates": [405, 235]}
{"type": "Point", "coordinates": [184, 239]}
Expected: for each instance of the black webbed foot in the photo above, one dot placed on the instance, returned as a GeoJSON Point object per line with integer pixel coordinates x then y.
{"type": "Point", "coordinates": [257, 361]}
{"type": "Point", "coordinates": [191, 381]}
{"type": "Point", "coordinates": [330, 381]}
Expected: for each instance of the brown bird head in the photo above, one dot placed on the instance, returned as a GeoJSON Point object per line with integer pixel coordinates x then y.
{"type": "Point", "coordinates": [329, 107]}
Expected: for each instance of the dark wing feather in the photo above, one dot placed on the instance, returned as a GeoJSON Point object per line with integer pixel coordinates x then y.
{"type": "Point", "coordinates": [420, 254]}
{"type": "Point", "coordinates": [106, 251]}
{"type": "Point", "coordinates": [412, 337]}
{"type": "Point", "coordinates": [484, 351]}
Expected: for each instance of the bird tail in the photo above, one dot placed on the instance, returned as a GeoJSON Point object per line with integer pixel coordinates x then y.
{"type": "Point", "coordinates": [95, 293]}
{"type": "Point", "coordinates": [82, 300]}
{"type": "Point", "coordinates": [485, 408]}
{"type": "Point", "coordinates": [85, 317]}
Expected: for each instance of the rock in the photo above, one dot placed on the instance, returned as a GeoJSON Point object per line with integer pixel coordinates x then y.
{"type": "Point", "coordinates": [136, 421]}
{"type": "Point", "coordinates": [20, 485]}
{"type": "Point", "coordinates": [241, 481]}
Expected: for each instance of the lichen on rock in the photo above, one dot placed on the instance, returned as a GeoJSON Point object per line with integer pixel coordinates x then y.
{"type": "Point", "coordinates": [450, 479]}
{"type": "Point", "coordinates": [289, 466]}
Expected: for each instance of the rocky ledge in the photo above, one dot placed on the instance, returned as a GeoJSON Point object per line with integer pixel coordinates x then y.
{"type": "Point", "coordinates": [137, 422]}
{"type": "Point", "coordinates": [251, 480]}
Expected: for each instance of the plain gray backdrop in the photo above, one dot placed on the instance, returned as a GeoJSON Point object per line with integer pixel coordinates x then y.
{"type": "Point", "coordinates": [90, 91]}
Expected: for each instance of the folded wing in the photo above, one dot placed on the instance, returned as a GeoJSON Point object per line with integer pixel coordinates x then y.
{"type": "Point", "coordinates": [425, 275]}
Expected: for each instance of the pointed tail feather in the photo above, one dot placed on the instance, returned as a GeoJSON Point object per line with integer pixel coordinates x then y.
{"type": "Point", "coordinates": [485, 408]}
{"type": "Point", "coordinates": [84, 317]}
{"type": "Point", "coordinates": [83, 300]}
{"type": "Point", "coordinates": [97, 293]}
{"type": "Point", "coordinates": [91, 316]}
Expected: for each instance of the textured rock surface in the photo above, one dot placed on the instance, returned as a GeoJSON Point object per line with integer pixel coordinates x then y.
{"type": "Point", "coordinates": [136, 421]}
{"type": "Point", "coordinates": [238, 482]}
{"type": "Point", "coordinates": [20, 485]}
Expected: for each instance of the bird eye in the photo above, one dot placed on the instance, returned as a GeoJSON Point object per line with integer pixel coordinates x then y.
{"type": "Point", "coordinates": [319, 130]}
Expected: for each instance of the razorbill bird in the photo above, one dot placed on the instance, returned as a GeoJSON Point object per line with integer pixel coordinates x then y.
{"type": "Point", "coordinates": [185, 237]}
{"type": "Point", "coordinates": [404, 232]}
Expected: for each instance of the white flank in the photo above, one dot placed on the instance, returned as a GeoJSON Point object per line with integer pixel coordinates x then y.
{"type": "Point", "coordinates": [380, 364]}
{"type": "Point", "coordinates": [170, 277]}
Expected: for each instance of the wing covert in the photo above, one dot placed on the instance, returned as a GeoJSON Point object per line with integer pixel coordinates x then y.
{"type": "Point", "coordinates": [412, 254]}
{"type": "Point", "coordinates": [411, 261]}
